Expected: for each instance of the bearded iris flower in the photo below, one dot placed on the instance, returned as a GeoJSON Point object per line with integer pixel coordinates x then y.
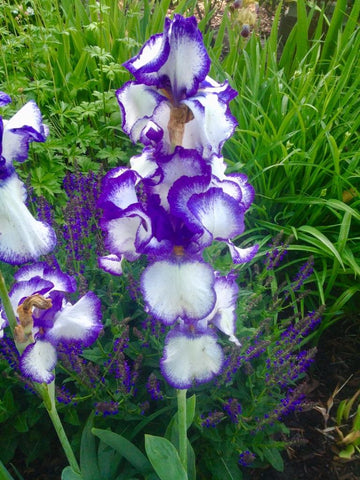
{"type": "Point", "coordinates": [22, 238]}
{"type": "Point", "coordinates": [172, 100]}
{"type": "Point", "coordinates": [176, 200]}
{"type": "Point", "coordinates": [46, 318]}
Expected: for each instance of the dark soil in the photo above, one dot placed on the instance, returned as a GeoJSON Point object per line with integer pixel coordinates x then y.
{"type": "Point", "coordinates": [313, 449]}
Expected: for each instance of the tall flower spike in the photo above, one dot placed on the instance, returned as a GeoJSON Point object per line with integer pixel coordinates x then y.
{"type": "Point", "coordinates": [22, 238]}
{"type": "Point", "coordinates": [175, 200]}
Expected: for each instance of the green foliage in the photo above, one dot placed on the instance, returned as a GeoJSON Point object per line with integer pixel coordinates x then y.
{"type": "Point", "coordinates": [297, 140]}
{"type": "Point", "coordinates": [164, 458]}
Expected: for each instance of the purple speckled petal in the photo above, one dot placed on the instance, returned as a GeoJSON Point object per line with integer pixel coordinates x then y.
{"type": "Point", "coordinates": [38, 360]}
{"type": "Point", "coordinates": [22, 238]}
{"type": "Point", "coordinates": [24, 127]}
{"type": "Point", "coordinates": [80, 322]}
{"type": "Point", "coordinates": [190, 359]}
{"type": "Point", "coordinates": [178, 288]}
{"type": "Point", "coordinates": [242, 255]}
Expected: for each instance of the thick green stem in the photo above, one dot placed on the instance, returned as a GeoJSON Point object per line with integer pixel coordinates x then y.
{"type": "Point", "coordinates": [48, 395]}
{"type": "Point", "coordinates": [7, 305]}
{"type": "Point", "coordinates": [181, 400]}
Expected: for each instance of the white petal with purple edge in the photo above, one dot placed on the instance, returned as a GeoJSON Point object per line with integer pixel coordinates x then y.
{"type": "Point", "coordinates": [212, 124]}
{"type": "Point", "coordinates": [111, 264]}
{"type": "Point", "coordinates": [173, 289]}
{"type": "Point", "coordinates": [242, 255]}
{"type": "Point", "coordinates": [137, 103]}
{"type": "Point", "coordinates": [38, 360]}
{"type": "Point", "coordinates": [153, 54]}
{"type": "Point", "coordinates": [25, 126]}
{"type": "Point", "coordinates": [223, 316]}
{"type": "Point", "coordinates": [190, 360]}
{"type": "Point", "coordinates": [22, 238]}
{"type": "Point", "coordinates": [61, 281]}
{"type": "Point", "coordinates": [78, 322]}
{"type": "Point", "coordinates": [188, 62]}
{"type": "Point", "coordinates": [218, 213]}
{"type": "Point", "coordinates": [122, 234]}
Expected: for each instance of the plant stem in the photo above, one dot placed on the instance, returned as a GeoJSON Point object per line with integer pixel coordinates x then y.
{"type": "Point", "coordinates": [47, 393]}
{"type": "Point", "coordinates": [7, 305]}
{"type": "Point", "coordinates": [182, 427]}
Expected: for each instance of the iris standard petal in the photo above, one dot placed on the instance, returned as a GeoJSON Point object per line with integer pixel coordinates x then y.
{"type": "Point", "coordinates": [38, 360]}
{"type": "Point", "coordinates": [24, 127]}
{"type": "Point", "coordinates": [182, 163]}
{"type": "Point", "coordinates": [137, 103]}
{"type": "Point", "coordinates": [212, 125]}
{"type": "Point", "coordinates": [152, 56]}
{"type": "Point", "coordinates": [80, 322]}
{"type": "Point", "coordinates": [190, 359]}
{"type": "Point", "coordinates": [178, 288]}
{"type": "Point", "coordinates": [188, 62]}
{"type": "Point", "coordinates": [22, 238]}
{"type": "Point", "coordinates": [128, 234]}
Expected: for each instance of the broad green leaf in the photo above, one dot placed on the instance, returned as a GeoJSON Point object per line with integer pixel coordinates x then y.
{"type": "Point", "coordinates": [69, 474]}
{"type": "Point", "coordinates": [88, 453]}
{"type": "Point", "coordinates": [4, 474]}
{"type": "Point", "coordinates": [164, 458]}
{"type": "Point", "coordinates": [273, 456]}
{"type": "Point", "coordinates": [127, 449]}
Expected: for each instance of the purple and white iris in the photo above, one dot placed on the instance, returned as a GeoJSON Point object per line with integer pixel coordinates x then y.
{"type": "Point", "coordinates": [175, 199]}
{"type": "Point", "coordinates": [22, 238]}
{"type": "Point", "coordinates": [46, 318]}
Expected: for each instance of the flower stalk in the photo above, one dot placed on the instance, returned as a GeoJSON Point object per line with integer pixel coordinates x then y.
{"type": "Point", "coordinates": [47, 393]}
{"type": "Point", "coordinates": [182, 427]}
{"type": "Point", "coordinates": [5, 300]}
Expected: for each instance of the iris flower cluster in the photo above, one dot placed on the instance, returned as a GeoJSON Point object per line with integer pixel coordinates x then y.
{"type": "Point", "coordinates": [22, 238]}
{"type": "Point", "coordinates": [175, 199]}
{"type": "Point", "coordinates": [44, 317]}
